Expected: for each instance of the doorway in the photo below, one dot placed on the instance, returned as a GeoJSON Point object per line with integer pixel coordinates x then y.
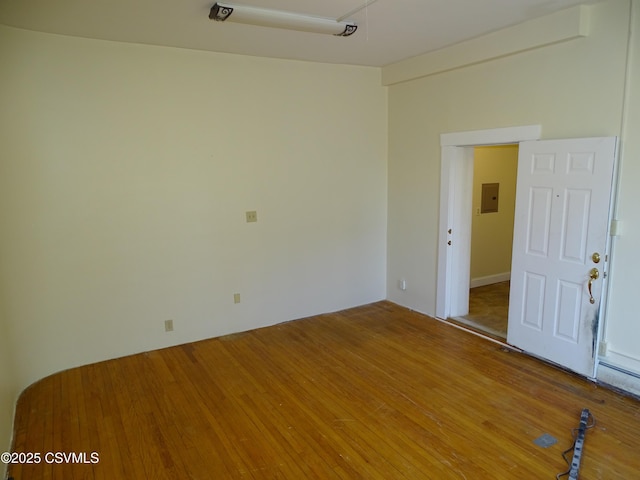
{"type": "Point", "coordinates": [563, 207]}
{"type": "Point", "coordinates": [488, 310]}
{"type": "Point", "coordinates": [493, 211]}
{"type": "Point", "coordinates": [456, 211]}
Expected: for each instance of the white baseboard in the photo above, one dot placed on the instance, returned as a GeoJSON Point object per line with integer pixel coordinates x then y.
{"type": "Point", "coordinates": [619, 378]}
{"type": "Point", "coordinates": [489, 279]}
{"type": "Point", "coordinates": [622, 360]}
{"type": "Point", "coordinates": [620, 370]}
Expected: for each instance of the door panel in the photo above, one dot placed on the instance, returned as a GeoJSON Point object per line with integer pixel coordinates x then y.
{"type": "Point", "coordinates": [539, 223]}
{"type": "Point", "coordinates": [575, 224]}
{"type": "Point", "coordinates": [566, 314]}
{"type": "Point", "coordinates": [562, 216]}
{"type": "Point", "coordinates": [533, 300]}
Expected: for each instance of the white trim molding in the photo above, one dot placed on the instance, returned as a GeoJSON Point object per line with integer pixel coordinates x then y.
{"type": "Point", "coordinates": [618, 377]}
{"type": "Point", "coordinates": [621, 360]}
{"type": "Point", "coordinates": [562, 26]}
{"type": "Point", "coordinates": [492, 136]}
{"type": "Point", "coordinates": [490, 279]}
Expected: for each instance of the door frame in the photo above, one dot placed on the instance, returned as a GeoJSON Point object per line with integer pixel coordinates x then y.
{"type": "Point", "coordinates": [456, 189]}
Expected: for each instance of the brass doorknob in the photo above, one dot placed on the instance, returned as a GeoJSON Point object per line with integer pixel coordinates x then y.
{"type": "Point", "coordinates": [594, 274]}
{"type": "Point", "coordinates": [595, 257]}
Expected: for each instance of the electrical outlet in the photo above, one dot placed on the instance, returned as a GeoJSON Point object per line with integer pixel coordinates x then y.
{"type": "Point", "coordinates": [236, 298]}
{"type": "Point", "coordinates": [168, 325]}
{"type": "Point", "coordinates": [252, 216]}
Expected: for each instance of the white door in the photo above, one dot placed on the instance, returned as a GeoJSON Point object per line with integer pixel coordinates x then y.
{"type": "Point", "coordinates": [561, 227]}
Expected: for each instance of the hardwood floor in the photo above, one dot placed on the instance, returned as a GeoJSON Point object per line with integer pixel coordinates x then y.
{"type": "Point", "coordinates": [488, 310]}
{"type": "Point", "coordinates": [376, 392]}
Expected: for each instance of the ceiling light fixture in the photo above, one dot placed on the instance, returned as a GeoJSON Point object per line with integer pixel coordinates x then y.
{"type": "Point", "coordinates": [279, 19]}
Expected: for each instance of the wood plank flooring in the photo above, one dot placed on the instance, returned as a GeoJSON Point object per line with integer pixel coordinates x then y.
{"type": "Point", "coordinates": [488, 310]}
{"type": "Point", "coordinates": [375, 392]}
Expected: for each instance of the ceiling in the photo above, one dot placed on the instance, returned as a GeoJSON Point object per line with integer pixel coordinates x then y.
{"type": "Point", "coordinates": [389, 30]}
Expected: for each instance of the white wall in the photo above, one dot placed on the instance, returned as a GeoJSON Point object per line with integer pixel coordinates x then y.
{"type": "Point", "coordinates": [623, 324]}
{"type": "Point", "coordinates": [126, 170]}
{"type": "Point", "coordinates": [126, 173]}
{"type": "Point", "coordinates": [571, 89]}
{"type": "Point", "coordinates": [9, 389]}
